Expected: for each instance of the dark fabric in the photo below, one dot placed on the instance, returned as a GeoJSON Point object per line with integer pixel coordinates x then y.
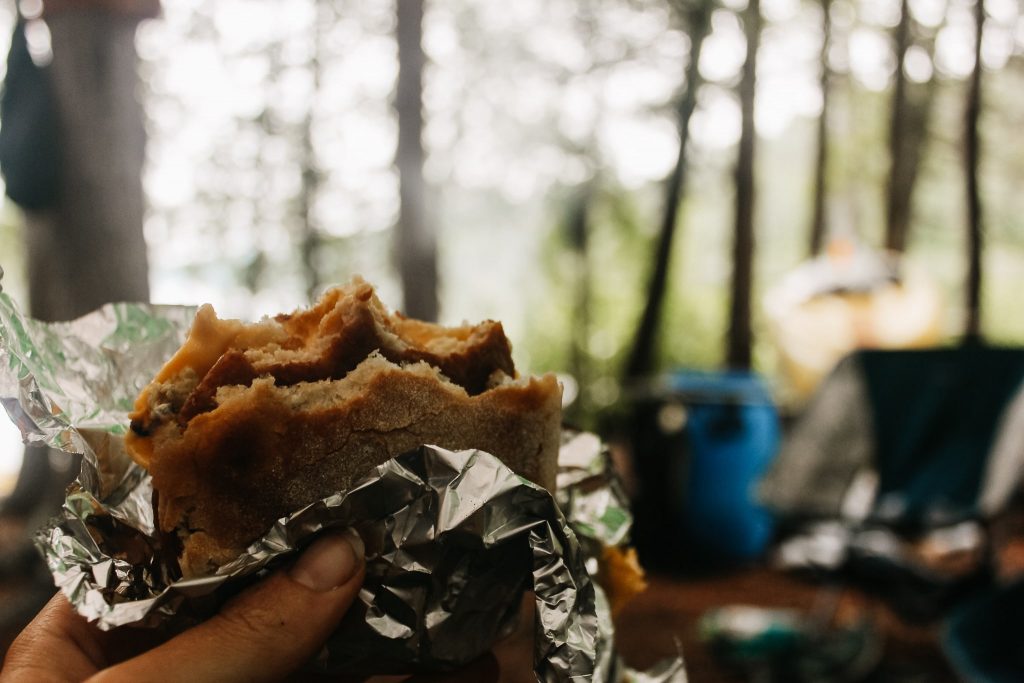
{"type": "Point", "coordinates": [29, 147]}
{"type": "Point", "coordinates": [936, 414]}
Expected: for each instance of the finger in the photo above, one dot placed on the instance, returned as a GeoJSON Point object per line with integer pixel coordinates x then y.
{"type": "Point", "coordinates": [266, 632]}
{"type": "Point", "coordinates": [57, 629]}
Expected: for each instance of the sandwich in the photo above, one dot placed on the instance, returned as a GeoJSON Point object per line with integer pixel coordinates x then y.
{"type": "Point", "coordinates": [248, 423]}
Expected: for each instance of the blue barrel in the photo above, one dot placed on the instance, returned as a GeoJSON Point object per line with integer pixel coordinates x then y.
{"type": "Point", "coordinates": [702, 444]}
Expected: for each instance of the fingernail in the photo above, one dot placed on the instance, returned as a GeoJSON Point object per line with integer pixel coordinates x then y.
{"type": "Point", "coordinates": [331, 561]}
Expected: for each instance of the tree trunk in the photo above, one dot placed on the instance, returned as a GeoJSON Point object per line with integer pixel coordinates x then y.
{"type": "Point", "coordinates": [902, 171]}
{"type": "Point", "coordinates": [310, 239]}
{"type": "Point", "coordinates": [641, 358]}
{"type": "Point", "coordinates": [579, 356]}
{"type": "Point", "coordinates": [821, 161]}
{"type": "Point", "coordinates": [415, 237]}
{"type": "Point", "coordinates": [740, 339]}
{"type": "Point", "coordinates": [971, 161]}
{"type": "Point", "coordinates": [908, 131]}
{"type": "Point", "coordinates": [89, 249]}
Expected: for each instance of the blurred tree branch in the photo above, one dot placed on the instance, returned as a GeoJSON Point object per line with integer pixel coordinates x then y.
{"type": "Point", "coordinates": [821, 159]}
{"type": "Point", "coordinates": [310, 237]}
{"type": "Point", "coordinates": [740, 340]}
{"type": "Point", "coordinates": [908, 131]}
{"type": "Point", "coordinates": [697, 17]}
{"type": "Point", "coordinates": [578, 234]}
{"type": "Point", "coordinates": [975, 241]}
{"type": "Point", "coordinates": [416, 237]}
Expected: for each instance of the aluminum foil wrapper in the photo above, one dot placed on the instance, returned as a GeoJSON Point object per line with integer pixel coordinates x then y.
{"type": "Point", "coordinates": [453, 539]}
{"type": "Point", "coordinates": [596, 506]}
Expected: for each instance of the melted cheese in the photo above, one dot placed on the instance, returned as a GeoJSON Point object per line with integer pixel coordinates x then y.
{"type": "Point", "coordinates": [207, 341]}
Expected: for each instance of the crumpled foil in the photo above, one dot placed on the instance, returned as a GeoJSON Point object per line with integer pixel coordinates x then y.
{"type": "Point", "coordinates": [590, 494]}
{"type": "Point", "coordinates": [596, 506]}
{"type": "Point", "coordinates": [453, 539]}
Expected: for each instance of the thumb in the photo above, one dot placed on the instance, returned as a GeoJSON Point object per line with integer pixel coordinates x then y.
{"type": "Point", "coordinates": [266, 632]}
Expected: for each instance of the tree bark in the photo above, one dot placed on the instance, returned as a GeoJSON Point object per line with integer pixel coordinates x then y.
{"type": "Point", "coordinates": [415, 237]}
{"type": "Point", "coordinates": [972, 153]}
{"type": "Point", "coordinates": [908, 131]}
{"type": "Point", "coordinates": [641, 358]}
{"type": "Point", "coordinates": [89, 250]}
{"type": "Point", "coordinates": [740, 339]}
{"type": "Point", "coordinates": [902, 142]}
{"type": "Point", "coordinates": [310, 239]}
{"type": "Point", "coordinates": [579, 355]}
{"type": "Point", "coordinates": [821, 160]}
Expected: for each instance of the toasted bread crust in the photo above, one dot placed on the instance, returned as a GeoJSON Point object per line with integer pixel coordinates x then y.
{"type": "Point", "coordinates": [321, 398]}
{"type": "Point", "coordinates": [266, 451]}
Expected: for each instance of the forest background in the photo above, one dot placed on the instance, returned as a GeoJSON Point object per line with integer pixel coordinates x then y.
{"type": "Point", "coordinates": [537, 185]}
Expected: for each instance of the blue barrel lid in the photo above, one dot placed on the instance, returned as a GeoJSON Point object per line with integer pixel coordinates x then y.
{"type": "Point", "coordinates": [724, 386]}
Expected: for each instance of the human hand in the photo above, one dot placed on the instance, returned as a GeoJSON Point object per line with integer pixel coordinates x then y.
{"type": "Point", "coordinates": [264, 634]}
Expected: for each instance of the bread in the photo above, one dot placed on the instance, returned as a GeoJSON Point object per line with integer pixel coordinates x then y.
{"type": "Point", "coordinates": [248, 423]}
